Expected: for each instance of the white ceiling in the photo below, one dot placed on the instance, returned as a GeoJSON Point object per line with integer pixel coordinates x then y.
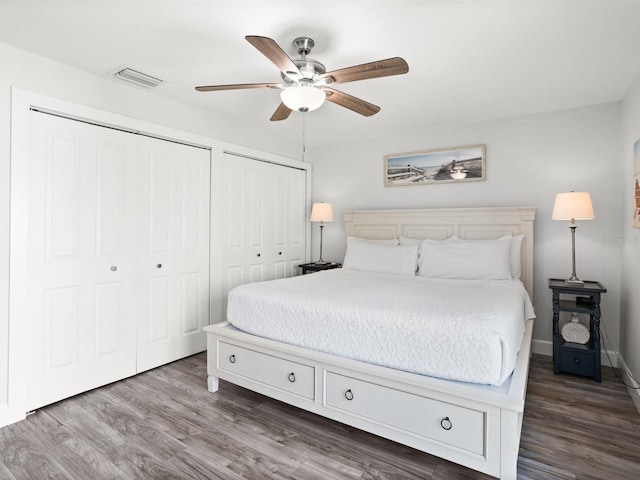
{"type": "Point", "coordinates": [468, 60]}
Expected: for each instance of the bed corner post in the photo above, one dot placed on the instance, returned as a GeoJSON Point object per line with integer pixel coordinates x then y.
{"type": "Point", "coordinates": [213, 383]}
{"type": "Point", "coordinates": [510, 425]}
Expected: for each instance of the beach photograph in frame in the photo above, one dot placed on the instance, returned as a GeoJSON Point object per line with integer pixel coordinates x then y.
{"type": "Point", "coordinates": [636, 184]}
{"type": "Point", "coordinates": [447, 165]}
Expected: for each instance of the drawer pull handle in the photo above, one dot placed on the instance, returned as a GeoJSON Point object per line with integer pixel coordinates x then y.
{"type": "Point", "coordinates": [159, 265]}
{"type": "Point", "coordinates": [576, 360]}
{"type": "Point", "coordinates": [292, 377]}
{"type": "Point", "coordinates": [232, 359]}
{"type": "Point", "coordinates": [114, 268]}
{"type": "Point", "coordinates": [446, 423]}
{"type": "Point", "coordinates": [348, 395]}
{"type": "Point", "coordinates": [279, 253]}
{"type": "Point", "coordinates": [258, 255]}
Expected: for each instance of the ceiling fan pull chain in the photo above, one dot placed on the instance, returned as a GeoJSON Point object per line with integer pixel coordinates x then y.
{"type": "Point", "coordinates": [304, 147]}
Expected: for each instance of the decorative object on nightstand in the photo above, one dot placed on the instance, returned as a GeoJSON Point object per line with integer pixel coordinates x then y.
{"type": "Point", "coordinates": [573, 206]}
{"type": "Point", "coordinates": [318, 267]}
{"type": "Point", "coordinates": [570, 353]}
{"type": "Point", "coordinates": [574, 331]}
{"type": "Point", "coordinates": [321, 212]}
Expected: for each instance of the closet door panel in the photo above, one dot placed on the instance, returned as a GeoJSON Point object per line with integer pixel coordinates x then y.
{"type": "Point", "coordinates": [110, 319]}
{"type": "Point", "coordinates": [263, 221]}
{"type": "Point", "coordinates": [81, 253]}
{"type": "Point", "coordinates": [174, 200]}
{"type": "Point", "coordinates": [159, 202]}
{"type": "Point", "coordinates": [61, 349]}
{"type": "Point", "coordinates": [242, 222]}
{"type": "Point", "coordinates": [288, 220]}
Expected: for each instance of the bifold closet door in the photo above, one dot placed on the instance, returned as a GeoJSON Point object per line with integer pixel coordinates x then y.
{"type": "Point", "coordinates": [173, 296]}
{"type": "Point", "coordinates": [82, 279]}
{"type": "Point", "coordinates": [263, 224]}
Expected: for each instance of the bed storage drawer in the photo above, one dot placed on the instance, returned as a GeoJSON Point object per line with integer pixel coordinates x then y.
{"type": "Point", "coordinates": [276, 372]}
{"type": "Point", "coordinates": [461, 427]}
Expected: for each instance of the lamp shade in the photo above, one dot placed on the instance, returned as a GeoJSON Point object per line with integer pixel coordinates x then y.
{"type": "Point", "coordinates": [303, 97]}
{"type": "Point", "coordinates": [573, 206]}
{"type": "Point", "coordinates": [321, 212]}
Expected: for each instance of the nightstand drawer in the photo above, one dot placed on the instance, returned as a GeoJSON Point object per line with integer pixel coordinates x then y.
{"type": "Point", "coordinates": [577, 362]}
{"type": "Point", "coordinates": [273, 371]}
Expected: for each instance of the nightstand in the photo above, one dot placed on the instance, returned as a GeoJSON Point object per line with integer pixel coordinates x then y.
{"type": "Point", "coordinates": [570, 357]}
{"type": "Point", "coordinates": [318, 267]}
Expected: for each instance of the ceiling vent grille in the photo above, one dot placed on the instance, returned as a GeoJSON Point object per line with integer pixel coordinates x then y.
{"type": "Point", "coordinates": [138, 78]}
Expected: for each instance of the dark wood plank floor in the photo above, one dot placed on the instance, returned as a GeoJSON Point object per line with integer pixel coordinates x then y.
{"type": "Point", "coordinates": [163, 424]}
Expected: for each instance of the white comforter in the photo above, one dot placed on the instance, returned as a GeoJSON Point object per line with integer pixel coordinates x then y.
{"type": "Point", "coordinates": [467, 330]}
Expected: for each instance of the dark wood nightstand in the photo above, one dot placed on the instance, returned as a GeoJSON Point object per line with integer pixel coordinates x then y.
{"type": "Point", "coordinates": [318, 267]}
{"type": "Point", "coordinates": [574, 357]}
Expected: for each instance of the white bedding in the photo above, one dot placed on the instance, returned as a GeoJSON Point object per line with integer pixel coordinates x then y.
{"type": "Point", "coordinates": [466, 330]}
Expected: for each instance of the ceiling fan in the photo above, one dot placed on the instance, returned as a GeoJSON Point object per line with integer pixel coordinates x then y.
{"type": "Point", "coordinates": [307, 84]}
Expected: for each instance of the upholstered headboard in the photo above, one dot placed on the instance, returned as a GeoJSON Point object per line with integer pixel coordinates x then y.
{"type": "Point", "coordinates": [442, 223]}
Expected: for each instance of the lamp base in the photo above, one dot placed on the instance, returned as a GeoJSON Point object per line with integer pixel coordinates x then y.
{"type": "Point", "coordinates": [574, 282]}
{"type": "Point", "coordinates": [321, 262]}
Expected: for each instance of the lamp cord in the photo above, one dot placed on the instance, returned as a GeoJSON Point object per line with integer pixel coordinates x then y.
{"type": "Point", "coordinates": [615, 373]}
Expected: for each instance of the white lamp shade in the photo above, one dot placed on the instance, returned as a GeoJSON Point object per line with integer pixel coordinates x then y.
{"type": "Point", "coordinates": [321, 212]}
{"type": "Point", "coordinates": [303, 98]}
{"type": "Point", "coordinates": [573, 205]}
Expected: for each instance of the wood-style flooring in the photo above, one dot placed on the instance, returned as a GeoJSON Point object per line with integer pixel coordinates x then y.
{"type": "Point", "coordinates": [163, 424]}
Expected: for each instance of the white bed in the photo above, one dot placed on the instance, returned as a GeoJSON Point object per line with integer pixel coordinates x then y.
{"type": "Point", "coordinates": [475, 425]}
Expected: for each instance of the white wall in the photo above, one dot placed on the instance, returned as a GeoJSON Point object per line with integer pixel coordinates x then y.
{"type": "Point", "coordinates": [30, 72]}
{"type": "Point", "coordinates": [529, 160]}
{"type": "Point", "coordinates": [630, 242]}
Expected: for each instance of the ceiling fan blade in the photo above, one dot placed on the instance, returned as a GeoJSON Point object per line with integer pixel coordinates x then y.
{"type": "Point", "coordinates": [381, 68]}
{"type": "Point", "coordinates": [352, 103]}
{"type": "Point", "coordinates": [281, 113]}
{"type": "Point", "coordinates": [270, 49]}
{"type": "Point", "coordinates": [237, 86]}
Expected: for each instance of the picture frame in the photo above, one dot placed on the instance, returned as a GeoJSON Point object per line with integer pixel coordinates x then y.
{"type": "Point", "coordinates": [429, 167]}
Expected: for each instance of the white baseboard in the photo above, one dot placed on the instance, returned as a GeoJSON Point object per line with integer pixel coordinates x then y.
{"type": "Point", "coordinates": [4, 415]}
{"type": "Point", "coordinates": [545, 347]}
{"type": "Point", "coordinates": [626, 376]}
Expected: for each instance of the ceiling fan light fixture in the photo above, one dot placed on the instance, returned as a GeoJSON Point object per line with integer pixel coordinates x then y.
{"type": "Point", "coordinates": [303, 97]}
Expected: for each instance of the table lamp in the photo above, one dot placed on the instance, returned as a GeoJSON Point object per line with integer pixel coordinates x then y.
{"type": "Point", "coordinates": [321, 212]}
{"type": "Point", "coordinates": [573, 206]}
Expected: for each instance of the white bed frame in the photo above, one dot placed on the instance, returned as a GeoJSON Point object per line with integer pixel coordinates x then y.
{"type": "Point", "coordinates": [477, 426]}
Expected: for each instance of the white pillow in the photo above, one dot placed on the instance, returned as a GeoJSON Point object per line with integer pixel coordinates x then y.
{"type": "Point", "coordinates": [407, 241]}
{"type": "Point", "coordinates": [420, 242]}
{"type": "Point", "coordinates": [467, 259]}
{"type": "Point", "coordinates": [390, 241]}
{"type": "Point", "coordinates": [515, 256]}
{"type": "Point", "coordinates": [380, 257]}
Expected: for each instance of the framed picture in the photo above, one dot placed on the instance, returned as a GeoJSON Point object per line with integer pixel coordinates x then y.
{"type": "Point", "coordinates": [448, 165]}
{"type": "Point", "coordinates": [636, 184]}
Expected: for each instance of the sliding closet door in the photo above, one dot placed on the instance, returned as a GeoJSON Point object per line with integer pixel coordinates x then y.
{"type": "Point", "coordinates": [263, 224]}
{"type": "Point", "coordinates": [173, 297]}
{"type": "Point", "coordinates": [81, 270]}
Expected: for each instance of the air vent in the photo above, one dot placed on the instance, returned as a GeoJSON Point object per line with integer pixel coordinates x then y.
{"type": "Point", "coordinates": [137, 78]}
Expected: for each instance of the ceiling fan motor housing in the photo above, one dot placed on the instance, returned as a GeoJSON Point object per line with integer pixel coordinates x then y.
{"type": "Point", "coordinates": [309, 67]}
